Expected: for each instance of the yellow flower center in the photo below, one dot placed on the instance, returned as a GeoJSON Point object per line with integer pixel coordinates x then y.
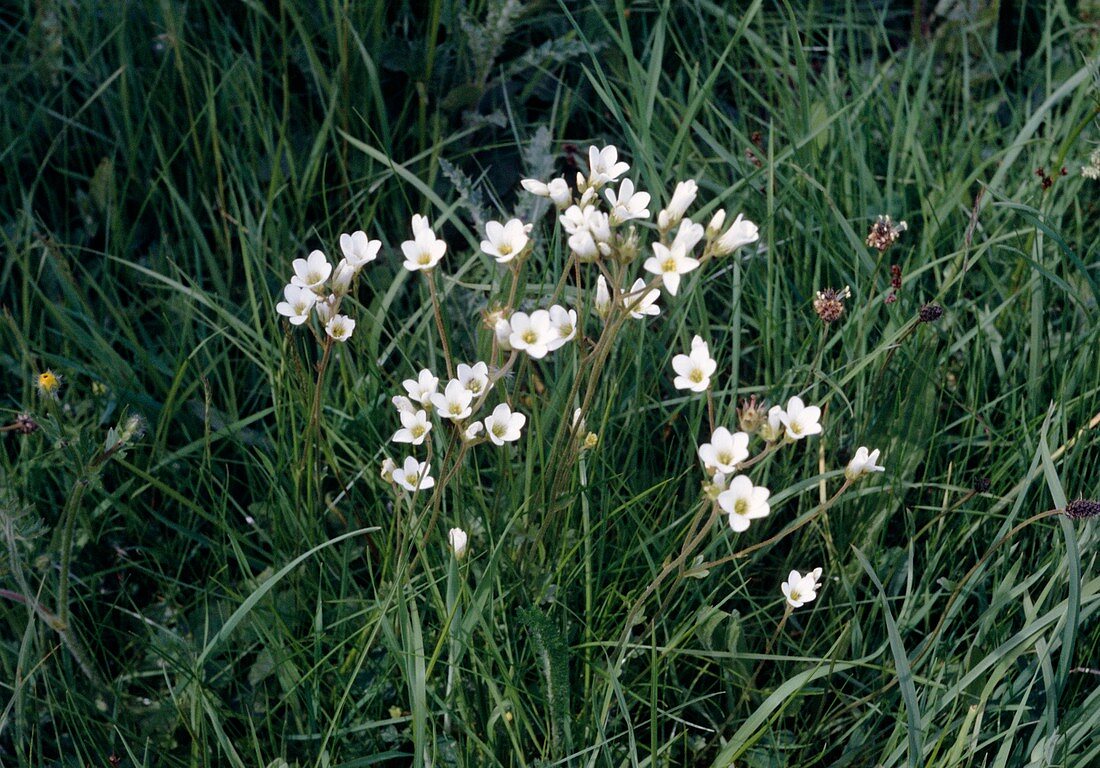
{"type": "Point", "coordinates": [504, 249]}
{"type": "Point", "coordinates": [456, 408]}
{"type": "Point", "coordinates": [696, 375]}
{"type": "Point", "coordinates": [498, 430]}
{"type": "Point", "coordinates": [48, 382]}
{"type": "Point", "coordinates": [741, 507]}
{"type": "Point", "coordinates": [795, 427]}
{"type": "Point", "coordinates": [425, 258]}
{"type": "Point", "coordinates": [417, 430]}
{"type": "Point", "coordinates": [529, 336]}
{"type": "Point", "coordinates": [669, 265]}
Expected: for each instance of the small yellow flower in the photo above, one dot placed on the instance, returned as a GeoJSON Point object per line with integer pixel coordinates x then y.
{"type": "Point", "coordinates": [48, 383]}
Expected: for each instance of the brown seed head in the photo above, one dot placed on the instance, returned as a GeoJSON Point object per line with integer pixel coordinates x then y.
{"type": "Point", "coordinates": [829, 304]}
{"type": "Point", "coordinates": [884, 233]}
{"type": "Point", "coordinates": [751, 415]}
{"type": "Point", "coordinates": [25, 424]}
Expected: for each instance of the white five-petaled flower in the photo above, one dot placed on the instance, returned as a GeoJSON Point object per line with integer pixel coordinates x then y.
{"type": "Point", "coordinates": [688, 235]}
{"type": "Point", "coordinates": [563, 326]}
{"type": "Point", "coordinates": [474, 377]}
{"type": "Point", "coordinates": [414, 427]}
{"type": "Point", "coordinates": [863, 463]}
{"type": "Point", "coordinates": [744, 502]}
{"type": "Point", "coordinates": [422, 387]}
{"type": "Point", "coordinates": [799, 589]}
{"type": "Point", "coordinates": [326, 307]}
{"type": "Point", "coordinates": [557, 190]}
{"type": "Point", "coordinates": [359, 250]}
{"type": "Point", "coordinates": [626, 203]}
{"type": "Point", "coordinates": [603, 165]}
{"type": "Point", "coordinates": [801, 420]}
{"type": "Point", "coordinates": [453, 402]}
{"type": "Point", "coordinates": [340, 327]}
{"type": "Point", "coordinates": [311, 272]}
{"type": "Point", "coordinates": [402, 404]}
{"type": "Point", "coordinates": [670, 263]}
{"type": "Point", "coordinates": [532, 333]}
{"type": "Point", "coordinates": [502, 330]}
{"type": "Point", "coordinates": [503, 425]}
{"type": "Point", "coordinates": [388, 466]}
{"type": "Point", "coordinates": [693, 371]}
{"type": "Point", "coordinates": [741, 232]}
{"type": "Point", "coordinates": [602, 304]}
{"type": "Point", "coordinates": [424, 251]}
{"type": "Point", "coordinates": [772, 428]}
{"type": "Point", "coordinates": [725, 450]}
{"type": "Point", "coordinates": [299, 300]}
{"type": "Point", "coordinates": [505, 241]}
{"type": "Point", "coordinates": [589, 231]}
{"type": "Point", "coordinates": [414, 475]}
{"type": "Point", "coordinates": [342, 277]}
{"type": "Point", "coordinates": [639, 302]}
{"type": "Point", "coordinates": [458, 540]}
{"type": "Point", "coordinates": [682, 197]}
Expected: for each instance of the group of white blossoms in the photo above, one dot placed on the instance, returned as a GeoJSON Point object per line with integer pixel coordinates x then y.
{"type": "Point", "coordinates": [595, 230]}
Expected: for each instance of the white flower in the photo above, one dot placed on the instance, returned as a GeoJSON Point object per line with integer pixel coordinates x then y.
{"type": "Point", "coordinates": [502, 329]}
{"type": "Point", "coordinates": [799, 589]}
{"type": "Point", "coordinates": [563, 326]}
{"type": "Point", "coordinates": [725, 450]}
{"type": "Point", "coordinates": [573, 219]}
{"type": "Point", "coordinates": [420, 225]}
{"type": "Point", "coordinates": [325, 308]}
{"type": "Point", "coordinates": [402, 404]}
{"type": "Point", "coordinates": [503, 425]}
{"type": "Point", "coordinates": [299, 300]}
{"type": "Point", "coordinates": [424, 251]}
{"type": "Point", "coordinates": [626, 204]}
{"type": "Point", "coordinates": [744, 502]}
{"type": "Point", "coordinates": [414, 475]}
{"type": "Point", "coordinates": [688, 235]}
{"type": "Point", "coordinates": [741, 232]}
{"type": "Point", "coordinates": [311, 272]}
{"type": "Point", "coordinates": [863, 463]}
{"type": "Point", "coordinates": [602, 303]}
{"type": "Point", "coordinates": [640, 304]}
{"type": "Point", "coordinates": [801, 420]}
{"type": "Point", "coordinates": [531, 333]}
{"type": "Point", "coordinates": [340, 327]}
{"type": "Point", "coordinates": [388, 466]}
{"type": "Point", "coordinates": [342, 277]}
{"type": "Point", "coordinates": [414, 427]}
{"type": "Point", "coordinates": [422, 387]}
{"type": "Point", "coordinates": [359, 250]}
{"type": "Point", "coordinates": [557, 190]}
{"type": "Point", "coordinates": [695, 369]}
{"type": "Point", "coordinates": [505, 241]}
{"type": "Point", "coordinates": [589, 231]}
{"type": "Point", "coordinates": [603, 166]}
{"type": "Point", "coordinates": [474, 377]}
{"type": "Point", "coordinates": [473, 431]}
{"type": "Point", "coordinates": [682, 197]}
{"type": "Point", "coordinates": [458, 540]}
{"type": "Point", "coordinates": [772, 429]}
{"type": "Point", "coordinates": [454, 402]}
{"type": "Point", "coordinates": [670, 263]}
{"type": "Point", "coordinates": [716, 222]}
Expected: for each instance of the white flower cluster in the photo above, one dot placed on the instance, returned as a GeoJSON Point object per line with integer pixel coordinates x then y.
{"type": "Point", "coordinates": [316, 289]}
{"type": "Point", "coordinates": [458, 401]}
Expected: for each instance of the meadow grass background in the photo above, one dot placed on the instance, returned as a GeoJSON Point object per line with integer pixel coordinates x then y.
{"type": "Point", "coordinates": [163, 162]}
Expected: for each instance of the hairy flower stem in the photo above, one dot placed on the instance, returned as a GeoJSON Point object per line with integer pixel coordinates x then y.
{"type": "Point", "coordinates": [438, 311]}
{"type": "Point", "coordinates": [68, 524]}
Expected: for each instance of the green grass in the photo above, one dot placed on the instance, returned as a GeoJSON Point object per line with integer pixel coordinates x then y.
{"type": "Point", "coordinates": [242, 592]}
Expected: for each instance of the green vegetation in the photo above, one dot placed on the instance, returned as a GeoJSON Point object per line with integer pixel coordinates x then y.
{"type": "Point", "coordinates": [226, 582]}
